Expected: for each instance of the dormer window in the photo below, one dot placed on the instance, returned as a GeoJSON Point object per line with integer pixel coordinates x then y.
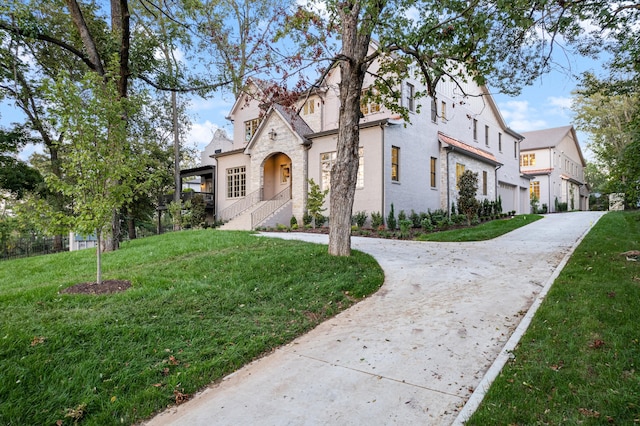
{"type": "Point", "coordinates": [309, 107]}
{"type": "Point", "coordinates": [250, 127]}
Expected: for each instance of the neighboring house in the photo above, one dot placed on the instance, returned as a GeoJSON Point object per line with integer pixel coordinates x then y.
{"type": "Point", "coordinates": [554, 158]}
{"type": "Point", "coordinates": [412, 165]}
{"type": "Point", "coordinates": [201, 180]}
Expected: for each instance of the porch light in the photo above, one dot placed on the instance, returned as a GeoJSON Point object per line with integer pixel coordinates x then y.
{"type": "Point", "coordinates": [272, 135]}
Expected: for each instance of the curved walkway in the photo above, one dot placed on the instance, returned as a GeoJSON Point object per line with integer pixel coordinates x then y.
{"type": "Point", "coordinates": [414, 352]}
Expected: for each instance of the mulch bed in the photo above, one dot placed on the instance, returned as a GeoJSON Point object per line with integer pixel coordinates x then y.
{"type": "Point", "coordinates": [106, 287]}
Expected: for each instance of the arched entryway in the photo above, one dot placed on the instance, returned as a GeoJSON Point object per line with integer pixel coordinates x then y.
{"type": "Point", "coordinates": [277, 175]}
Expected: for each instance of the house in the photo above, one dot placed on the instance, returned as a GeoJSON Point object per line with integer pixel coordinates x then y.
{"type": "Point", "coordinates": [554, 159]}
{"type": "Point", "coordinates": [200, 180]}
{"type": "Point", "coordinates": [262, 179]}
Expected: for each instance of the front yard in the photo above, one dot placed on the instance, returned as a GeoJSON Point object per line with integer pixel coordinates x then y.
{"type": "Point", "coordinates": [201, 305]}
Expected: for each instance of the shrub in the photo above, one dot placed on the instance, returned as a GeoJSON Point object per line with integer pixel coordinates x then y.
{"type": "Point", "coordinates": [320, 219]}
{"type": "Point", "coordinates": [458, 219]}
{"type": "Point", "coordinates": [293, 221]}
{"type": "Point", "coordinates": [426, 224]}
{"type": "Point", "coordinates": [376, 220]}
{"type": "Point", "coordinates": [444, 223]}
{"type": "Point", "coordinates": [402, 216]}
{"type": "Point", "coordinates": [415, 219]}
{"type": "Point", "coordinates": [359, 219]}
{"type": "Point", "coordinates": [405, 226]}
{"type": "Point", "coordinates": [391, 219]}
{"type": "Point", "coordinates": [306, 219]}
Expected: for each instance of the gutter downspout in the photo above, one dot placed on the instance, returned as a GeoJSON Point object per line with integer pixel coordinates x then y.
{"type": "Point", "coordinates": [384, 193]}
{"type": "Point", "coordinates": [496, 174]}
{"type": "Point", "coordinates": [549, 178]}
{"type": "Point", "coordinates": [449, 150]}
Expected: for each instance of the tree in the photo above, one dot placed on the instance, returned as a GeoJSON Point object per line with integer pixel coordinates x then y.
{"type": "Point", "coordinates": [16, 176]}
{"type": "Point", "coordinates": [608, 106]}
{"type": "Point", "coordinates": [458, 39]}
{"type": "Point", "coordinates": [467, 190]}
{"type": "Point", "coordinates": [315, 202]}
{"type": "Point", "coordinates": [99, 171]}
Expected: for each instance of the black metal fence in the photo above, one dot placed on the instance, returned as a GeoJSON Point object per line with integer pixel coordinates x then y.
{"type": "Point", "coordinates": [13, 248]}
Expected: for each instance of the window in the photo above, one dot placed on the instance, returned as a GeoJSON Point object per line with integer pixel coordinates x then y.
{"type": "Point", "coordinates": [309, 107]}
{"type": "Point", "coordinates": [236, 182]}
{"type": "Point", "coordinates": [434, 112]}
{"type": "Point", "coordinates": [499, 142]}
{"type": "Point", "coordinates": [459, 171]}
{"type": "Point", "coordinates": [486, 135]}
{"type": "Point", "coordinates": [527, 160]}
{"type": "Point", "coordinates": [534, 189]}
{"type": "Point", "coordinates": [367, 105]}
{"type": "Point", "coordinates": [433, 172]}
{"type": "Point", "coordinates": [411, 92]}
{"type": "Point", "coordinates": [443, 113]}
{"type": "Point", "coordinates": [328, 159]}
{"type": "Point", "coordinates": [250, 128]}
{"type": "Point", "coordinates": [395, 164]}
{"type": "Point", "coordinates": [475, 129]}
{"type": "Point", "coordinates": [484, 182]}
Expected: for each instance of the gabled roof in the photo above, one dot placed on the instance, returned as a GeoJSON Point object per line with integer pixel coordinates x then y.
{"type": "Point", "coordinates": [549, 138]}
{"type": "Point", "coordinates": [494, 107]}
{"type": "Point", "coordinates": [472, 151]}
{"type": "Point", "coordinates": [546, 138]}
{"type": "Point", "coordinates": [294, 120]}
{"type": "Point", "coordinates": [296, 124]}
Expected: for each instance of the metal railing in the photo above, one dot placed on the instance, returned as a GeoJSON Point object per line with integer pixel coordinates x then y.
{"type": "Point", "coordinates": [269, 207]}
{"type": "Point", "coordinates": [239, 206]}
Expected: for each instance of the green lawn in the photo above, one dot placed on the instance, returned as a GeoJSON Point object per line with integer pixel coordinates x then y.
{"type": "Point", "coordinates": [579, 361]}
{"type": "Point", "coordinates": [202, 304]}
{"type": "Point", "coordinates": [482, 232]}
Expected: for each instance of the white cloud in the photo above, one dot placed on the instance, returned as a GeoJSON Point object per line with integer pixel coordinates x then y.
{"type": "Point", "coordinates": [560, 102]}
{"type": "Point", "coordinates": [200, 134]}
{"type": "Point", "coordinates": [521, 117]}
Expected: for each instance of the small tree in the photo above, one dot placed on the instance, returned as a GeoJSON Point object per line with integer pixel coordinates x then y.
{"type": "Point", "coordinates": [467, 190]}
{"type": "Point", "coordinates": [99, 173]}
{"type": "Point", "coordinates": [315, 202]}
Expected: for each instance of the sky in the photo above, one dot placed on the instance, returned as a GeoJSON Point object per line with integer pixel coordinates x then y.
{"type": "Point", "coordinates": [544, 104]}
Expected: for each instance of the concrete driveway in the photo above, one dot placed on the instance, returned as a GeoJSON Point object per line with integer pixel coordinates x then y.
{"type": "Point", "coordinates": [429, 341]}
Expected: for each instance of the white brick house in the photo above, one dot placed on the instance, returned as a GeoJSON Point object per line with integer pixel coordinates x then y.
{"type": "Point", "coordinates": [413, 165]}
{"type": "Point", "coordinates": [554, 158]}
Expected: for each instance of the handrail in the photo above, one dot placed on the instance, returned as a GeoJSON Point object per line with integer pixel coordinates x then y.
{"type": "Point", "coordinates": [239, 206]}
{"type": "Point", "coordinates": [264, 211]}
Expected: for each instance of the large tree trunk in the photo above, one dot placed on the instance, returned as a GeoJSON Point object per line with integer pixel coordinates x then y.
{"type": "Point", "coordinates": [344, 174]}
{"type": "Point", "coordinates": [111, 241]}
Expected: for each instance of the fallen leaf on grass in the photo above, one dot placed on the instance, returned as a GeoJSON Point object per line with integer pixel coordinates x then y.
{"type": "Point", "coordinates": [589, 413]}
{"type": "Point", "coordinates": [76, 413]}
{"type": "Point", "coordinates": [596, 344]}
{"type": "Point", "coordinates": [180, 397]}
{"type": "Point", "coordinates": [557, 366]}
{"type": "Point", "coordinates": [173, 360]}
{"type": "Point", "coordinates": [37, 340]}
